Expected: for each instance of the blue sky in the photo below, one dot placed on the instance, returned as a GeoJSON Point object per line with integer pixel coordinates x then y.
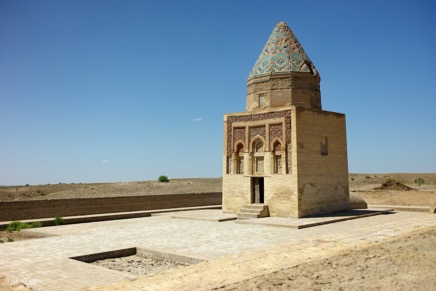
{"type": "Point", "coordinates": [108, 91]}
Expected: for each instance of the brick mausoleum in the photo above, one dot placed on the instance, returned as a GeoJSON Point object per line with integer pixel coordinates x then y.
{"type": "Point", "coordinates": [284, 155]}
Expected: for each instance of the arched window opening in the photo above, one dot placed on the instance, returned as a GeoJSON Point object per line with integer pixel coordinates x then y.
{"type": "Point", "coordinates": [324, 148]}
{"type": "Point", "coordinates": [240, 159]}
{"type": "Point", "coordinates": [258, 146]}
{"type": "Point", "coordinates": [262, 103]}
{"type": "Point", "coordinates": [277, 157]}
{"type": "Point", "coordinates": [258, 157]}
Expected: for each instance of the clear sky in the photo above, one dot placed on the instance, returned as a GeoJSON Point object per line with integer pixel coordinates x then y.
{"type": "Point", "coordinates": [108, 91]}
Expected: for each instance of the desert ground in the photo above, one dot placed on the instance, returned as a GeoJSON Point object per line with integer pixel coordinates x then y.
{"type": "Point", "coordinates": [100, 190]}
{"type": "Point", "coordinates": [361, 184]}
{"type": "Point", "coordinates": [423, 194]}
{"type": "Point", "coordinates": [405, 262]}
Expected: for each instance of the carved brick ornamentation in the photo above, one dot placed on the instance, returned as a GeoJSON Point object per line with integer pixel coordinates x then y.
{"type": "Point", "coordinates": [258, 130]}
{"type": "Point", "coordinates": [276, 131]}
{"type": "Point", "coordinates": [237, 134]}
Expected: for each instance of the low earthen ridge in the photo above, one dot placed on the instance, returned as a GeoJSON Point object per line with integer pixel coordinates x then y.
{"type": "Point", "coordinates": [282, 53]}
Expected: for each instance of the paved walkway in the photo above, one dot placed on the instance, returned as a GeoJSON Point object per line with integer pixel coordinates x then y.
{"type": "Point", "coordinates": [44, 264]}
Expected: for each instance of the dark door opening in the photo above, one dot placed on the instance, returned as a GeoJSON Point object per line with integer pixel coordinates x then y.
{"type": "Point", "coordinates": [257, 187]}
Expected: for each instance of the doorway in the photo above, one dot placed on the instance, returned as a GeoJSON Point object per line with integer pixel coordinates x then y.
{"type": "Point", "coordinates": [257, 190]}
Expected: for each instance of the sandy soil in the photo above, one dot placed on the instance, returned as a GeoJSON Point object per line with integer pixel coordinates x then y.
{"type": "Point", "coordinates": [402, 263]}
{"type": "Point", "coordinates": [420, 195]}
{"type": "Point", "coordinates": [6, 237]}
{"type": "Point", "coordinates": [6, 285]}
{"type": "Point", "coordinates": [415, 198]}
{"type": "Point", "coordinates": [367, 182]}
{"type": "Point", "coordinates": [138, 188]}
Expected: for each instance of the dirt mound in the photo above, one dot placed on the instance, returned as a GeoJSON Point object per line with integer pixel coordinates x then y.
{"type": "Point", "coordinates": [392, 184]}
{"type": "Point", "coordinates": [357, 202]}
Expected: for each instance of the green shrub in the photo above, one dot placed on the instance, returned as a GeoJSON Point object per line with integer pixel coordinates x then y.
{"type": "Point", "coordinates": [59, 220]}
{"type": "Point", "coordinates": [12, 226]}
{"type": "Point", "coordinates": [352, 179]}
{"type": "Point", "coordinates": [163, 179]}
{"type": "Point", "coordinates": [1, 241]}
{"type": "Point", "coordinates": [10, 239]}
{"type": "Point", "coordinates": [419, 181]}
{"type": "Point", "coordinates": [367, 177]}
{"type": "Point", "coordinates": [17, 225]}
{"type": "Point", "coordinates": [35, 224]}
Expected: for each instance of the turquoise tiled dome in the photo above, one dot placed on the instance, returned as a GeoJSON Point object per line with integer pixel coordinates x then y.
{"type": "Point", "coordinates": [282, 54]}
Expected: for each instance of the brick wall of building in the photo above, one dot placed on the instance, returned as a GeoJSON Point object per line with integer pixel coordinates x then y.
{"type": "Point", "coordinates": [322, 178]}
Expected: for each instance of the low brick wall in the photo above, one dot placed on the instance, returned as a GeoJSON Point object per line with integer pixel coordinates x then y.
{"type": "Point", "coordinates": [31, 209]}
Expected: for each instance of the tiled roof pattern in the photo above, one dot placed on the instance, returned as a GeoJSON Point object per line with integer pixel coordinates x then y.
{"type": "Point", "coordinates": [282, 54]}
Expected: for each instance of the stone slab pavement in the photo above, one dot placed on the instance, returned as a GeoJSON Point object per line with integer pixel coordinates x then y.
{"type": "Point", "coordinates": [45, 264]}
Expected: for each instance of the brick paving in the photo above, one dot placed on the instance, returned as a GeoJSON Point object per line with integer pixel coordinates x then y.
{"type": "Point", "coordinates": [44, 264]}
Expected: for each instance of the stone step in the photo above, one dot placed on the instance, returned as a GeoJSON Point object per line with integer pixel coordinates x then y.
{"type": "Point", "coordinates": [247, 216]}
{"type": "Point", "coordinates": [249, 211]}
{"type": "Point", "coordinates": [254, 206]}
{"type": "Point", "coordinates": [253, 211]}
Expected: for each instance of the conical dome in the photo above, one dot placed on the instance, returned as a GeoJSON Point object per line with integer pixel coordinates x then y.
{"type": "Point", "coordinates": [282, 54]}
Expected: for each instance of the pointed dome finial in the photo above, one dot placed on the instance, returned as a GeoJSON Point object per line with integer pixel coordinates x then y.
{"type": "Point", "coordinates": [282, 54]}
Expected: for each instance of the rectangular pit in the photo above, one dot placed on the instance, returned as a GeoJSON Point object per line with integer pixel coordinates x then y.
{"type": "Point", "coordinates": [138, 261]}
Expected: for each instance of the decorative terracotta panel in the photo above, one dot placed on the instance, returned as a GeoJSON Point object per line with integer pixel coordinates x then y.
{"type": "Point", "coordinates": [239, 134]}
{"type": "Point", "coordinates": [234, 136]}
{"type": "Point", "coordinates": [276, 131]}
{"type": "Point", "coordinates": [257, 131]}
